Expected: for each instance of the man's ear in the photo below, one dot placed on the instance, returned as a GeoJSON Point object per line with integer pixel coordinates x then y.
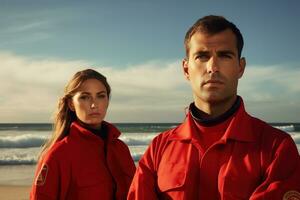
{"type": "Point", "coordinates": [185, 68]}
{"type": "Point", "coordinates": [71, 105]}
{"type": "Point", "coordinates": [242, 66]}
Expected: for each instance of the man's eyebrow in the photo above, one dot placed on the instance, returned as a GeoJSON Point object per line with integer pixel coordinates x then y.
{"type": "Point", "coordinates": [201, 52]}
{"type": "Point", "coordinates": [222, 52]}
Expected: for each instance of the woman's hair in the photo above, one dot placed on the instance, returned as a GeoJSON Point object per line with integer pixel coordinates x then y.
{"type": "Point", "coordinates": [64, 116]}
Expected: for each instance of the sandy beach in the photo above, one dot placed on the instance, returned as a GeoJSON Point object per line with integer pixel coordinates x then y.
{"type": "Point", "coordinates": [15, 182]}
{"type": "Point", "coordinates": [12, 192]}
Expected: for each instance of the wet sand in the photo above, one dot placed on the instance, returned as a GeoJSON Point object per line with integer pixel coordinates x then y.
{"type": "Point", "coordinates": [12, 192]}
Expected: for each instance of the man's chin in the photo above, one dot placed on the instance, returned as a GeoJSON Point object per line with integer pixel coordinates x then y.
{"type": "Point", "coordinates": [215, 98]}
{"type": "Point", "coordinates": [219, 99]}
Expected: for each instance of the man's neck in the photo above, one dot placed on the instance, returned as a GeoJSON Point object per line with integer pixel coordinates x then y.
{"type": "Point", "coordinates": [214, 109]}
{"type": "Point", "coordinates": [207, 120]}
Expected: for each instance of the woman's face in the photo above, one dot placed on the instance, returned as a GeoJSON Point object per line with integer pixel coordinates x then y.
{"type": "Point", "coordinates": [90, 103]}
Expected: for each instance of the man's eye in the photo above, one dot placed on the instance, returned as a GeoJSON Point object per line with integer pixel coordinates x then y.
{"type": "Point", "coordinates": [225, 55]}
{"type": "Point", "coordinates": [202, 57]}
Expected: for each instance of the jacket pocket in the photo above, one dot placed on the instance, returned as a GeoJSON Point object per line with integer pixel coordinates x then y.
{"type": "Point", "coordinates": [171, 176]}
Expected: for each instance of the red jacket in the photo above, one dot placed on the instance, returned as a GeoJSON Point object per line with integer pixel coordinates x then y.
{"type": "Point", "coordinates": [81, 166]}
{"type": "Point", "coordinates": [252, 160]}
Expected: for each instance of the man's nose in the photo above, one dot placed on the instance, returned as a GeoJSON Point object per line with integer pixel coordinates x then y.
{"type": "Point", "coordinates": [212, 65]}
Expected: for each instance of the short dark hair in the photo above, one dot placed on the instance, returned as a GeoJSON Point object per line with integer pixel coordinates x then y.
{"type": "Point", "coordinates": [213, 24]}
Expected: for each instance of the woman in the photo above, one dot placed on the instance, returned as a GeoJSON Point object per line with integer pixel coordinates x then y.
{"type": "Point", "coordinates": [84, 159]}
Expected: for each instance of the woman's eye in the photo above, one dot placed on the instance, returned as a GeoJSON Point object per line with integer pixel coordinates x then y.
{"type": "Point", "coordinates": [84, 97]}
{"type": "Point", "coordinates": [101, 96]}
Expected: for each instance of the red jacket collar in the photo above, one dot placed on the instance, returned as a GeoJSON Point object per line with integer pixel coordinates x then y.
{"type": "Point", "coordinates": [239, 128]}
{"type": "Point", "coordinates": [113, 132]}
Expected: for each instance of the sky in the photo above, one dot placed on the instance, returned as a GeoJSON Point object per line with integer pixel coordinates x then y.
{"type": "Point", "coordinates": [138, 45]}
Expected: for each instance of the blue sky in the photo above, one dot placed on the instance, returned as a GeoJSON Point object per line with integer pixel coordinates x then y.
{"type": "Point", "coordinates": [138, 45]}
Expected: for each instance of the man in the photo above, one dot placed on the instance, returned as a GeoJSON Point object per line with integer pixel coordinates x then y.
{"type": "Point", "coordinates": [219, 151]}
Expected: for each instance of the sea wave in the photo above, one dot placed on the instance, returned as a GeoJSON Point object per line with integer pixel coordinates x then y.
{"type": "Point", "coordinates": [25, 127]}
{"type": "Point", "coordinates": [30, 159]}
{"type": "Point", "coordinates": [287, 128]}
{"type": "Point", "coordinates": [136, 156]}
{"type": "Point", "coordinates": [296, 138]}
{"type": "Point", "coordinates": [33, 140]}
{"type": "Point", "coordinates": [17, 162]}
{"type": "Point", "coordinates": [22, 141]}
{"type": "Point", "coordinates": [18, 159]}
{"type": "Point", "coordinates": [134, 141]}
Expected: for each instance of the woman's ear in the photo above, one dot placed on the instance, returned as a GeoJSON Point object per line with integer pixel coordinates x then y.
{"type": "Point", "coordinates": [71, 105]}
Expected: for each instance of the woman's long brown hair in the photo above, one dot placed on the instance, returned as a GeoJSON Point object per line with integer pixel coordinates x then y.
{"type": "Point", "coordinates": [64, 116]}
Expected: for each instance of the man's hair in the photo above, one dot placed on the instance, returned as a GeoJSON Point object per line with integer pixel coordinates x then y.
{"type": "Point", "coordinates": [211, 25]}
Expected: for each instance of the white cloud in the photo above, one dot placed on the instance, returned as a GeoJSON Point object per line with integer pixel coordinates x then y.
{"type": "Point", "coordinates": [26, 26]}
{"type": "Point", "coordinates": [263, 82]}
{"type": "Point", "coordinates": [21, 29]}
{"type": "Point", "coordinates": [272, 92]}
{"type": "Point", "coordinates": [151, 92]}
{"type": "Point", "coordinates": [31, 89]}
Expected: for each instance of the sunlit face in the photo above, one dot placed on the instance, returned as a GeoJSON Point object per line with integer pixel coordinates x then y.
{"type": "Point", "coordinates": [90, 103]}
{"type": "Point", "coordinates": [213, 67]}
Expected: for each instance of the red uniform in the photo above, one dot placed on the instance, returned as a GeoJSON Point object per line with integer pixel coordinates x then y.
{"type": "Point", "coordinates": [83, 166]}
{"type": "Point", "coordinates": [251, 160]}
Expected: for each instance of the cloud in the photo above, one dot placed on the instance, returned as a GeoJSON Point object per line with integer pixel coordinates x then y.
{"type": "Point", "coordinates": [29, 26]}
{"type": "Point", "coordinates": [272, 92]}
{"type": "Point", "coordinates": [270, 83]}
{"type": "Point", "coordinates": [23, 29]}
{"type": "Point", "coordinates": [154, 91]}
{"type": "Point", "coordinates": [31, 89]}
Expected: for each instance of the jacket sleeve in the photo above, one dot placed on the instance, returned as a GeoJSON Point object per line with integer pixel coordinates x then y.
{"type": "Point", "coordinates": [46, 182]}
{"type": "Point", "coordinates": [144, 182]}
{"type": "Point", "coordinates": [282, 176]}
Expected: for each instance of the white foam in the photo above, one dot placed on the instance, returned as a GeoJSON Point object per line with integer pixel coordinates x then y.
{"type": "Point", "coordinates": [22, 141]}
{"type": "Point", "coordinates": [18, 156]}
{"type": "Point", "coordinates": [137, 141]}
{"type": "Point", "coordinates": [136, 156]}
{"type": "Point", "coordinates": [296, 138]}
{"type": "Point", "coordinates": [287, 128]}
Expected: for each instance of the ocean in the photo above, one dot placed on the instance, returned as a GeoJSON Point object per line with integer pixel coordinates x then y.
{"type": "Point", "coordinates": [20, 145]}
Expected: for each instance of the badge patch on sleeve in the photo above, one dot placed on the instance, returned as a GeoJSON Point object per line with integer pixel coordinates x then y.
{"type": "Point", "coordinates": [291, 195]}
{"type": "Point", "coordinates": [41, 178]}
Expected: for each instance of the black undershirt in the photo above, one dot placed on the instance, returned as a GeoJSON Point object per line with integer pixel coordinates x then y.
{"type": "Point", "coordinates": [198, 114]}
{"type": "Point", "coordinates": [102, 132]}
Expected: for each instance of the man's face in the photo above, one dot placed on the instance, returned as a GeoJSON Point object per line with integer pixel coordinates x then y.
{"type": "Point", "coordinates": [213, 67]}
